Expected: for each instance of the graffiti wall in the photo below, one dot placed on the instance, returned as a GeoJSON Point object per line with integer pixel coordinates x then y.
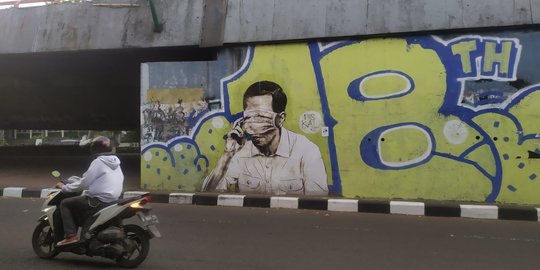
{"type": "Point", "coordinates": [420, 117]}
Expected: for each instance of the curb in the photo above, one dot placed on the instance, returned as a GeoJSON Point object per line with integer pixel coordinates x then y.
{"type": "Point", "coordinates": [436, 209]}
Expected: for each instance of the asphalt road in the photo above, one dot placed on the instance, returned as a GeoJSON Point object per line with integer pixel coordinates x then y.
{"type": "Point", "coordinates": [209, 237]}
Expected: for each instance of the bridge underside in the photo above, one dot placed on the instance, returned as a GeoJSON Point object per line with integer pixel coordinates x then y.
{"type": "Point", "coordinates": [80, 90]}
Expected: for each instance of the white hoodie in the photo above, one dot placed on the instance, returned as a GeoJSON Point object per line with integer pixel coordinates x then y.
{"type": "Point", "coordinates": [103, 179]}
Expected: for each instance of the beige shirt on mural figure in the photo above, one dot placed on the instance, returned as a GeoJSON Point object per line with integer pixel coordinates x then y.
{"type": "Point", "coordinates": [296, 168]}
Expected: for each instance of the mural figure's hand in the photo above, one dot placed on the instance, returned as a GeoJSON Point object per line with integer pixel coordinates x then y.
{"type": "Point", "coordinates": [235, 138]}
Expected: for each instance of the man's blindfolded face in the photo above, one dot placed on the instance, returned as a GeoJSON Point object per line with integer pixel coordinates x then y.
{"type": "Point", "coordinates": [259, 121]}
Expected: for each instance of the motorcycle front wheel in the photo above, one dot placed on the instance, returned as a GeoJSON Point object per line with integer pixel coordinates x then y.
{"type": "Point", "coordinates": [139, 243]}
{"type": "Point", "coordinates": [43, 241]}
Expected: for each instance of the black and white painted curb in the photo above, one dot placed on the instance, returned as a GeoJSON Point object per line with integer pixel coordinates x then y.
{"type": "Point", "coordinates": [438, 209]}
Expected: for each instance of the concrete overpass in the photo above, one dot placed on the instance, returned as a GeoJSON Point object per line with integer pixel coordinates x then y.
{"type": "Point", "coordinates": [77, 66]}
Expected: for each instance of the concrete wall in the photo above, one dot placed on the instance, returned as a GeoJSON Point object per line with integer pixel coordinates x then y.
{"type": "Point", "coordinates": [416, 117]}
{"type": "Point", "coordinates": [85, 26]}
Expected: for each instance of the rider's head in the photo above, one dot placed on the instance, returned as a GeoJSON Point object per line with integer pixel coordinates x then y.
{"type": "Point", "coordinates": [101, 144]}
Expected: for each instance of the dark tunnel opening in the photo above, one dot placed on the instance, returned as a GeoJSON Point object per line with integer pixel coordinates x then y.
{"type": "Point", "coordinates": [80, 90]}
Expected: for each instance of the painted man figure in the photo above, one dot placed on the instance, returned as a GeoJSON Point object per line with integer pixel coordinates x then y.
{"type": "Point", "coordinates": [261, 156]}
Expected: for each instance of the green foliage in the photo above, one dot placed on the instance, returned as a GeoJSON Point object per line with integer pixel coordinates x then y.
{"type": "Point", "coordinates": [40, 136]}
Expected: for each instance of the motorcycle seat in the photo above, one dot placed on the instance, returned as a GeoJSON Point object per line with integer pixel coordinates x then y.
{"type": "Point", "coordinates": [122, 201]}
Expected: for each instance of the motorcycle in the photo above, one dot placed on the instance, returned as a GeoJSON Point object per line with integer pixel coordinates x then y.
{"type": "Point", "coordinates": [102, 230]}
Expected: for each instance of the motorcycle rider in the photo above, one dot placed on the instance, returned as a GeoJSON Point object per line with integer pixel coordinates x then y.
{"type": "Point", "coordinates": [103, 180]}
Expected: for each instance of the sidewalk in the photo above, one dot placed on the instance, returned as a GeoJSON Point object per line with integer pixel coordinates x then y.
{"type": "Point", "coordinates": [29, 177]}
{"type": "Point", "coordinates": [437, 209]}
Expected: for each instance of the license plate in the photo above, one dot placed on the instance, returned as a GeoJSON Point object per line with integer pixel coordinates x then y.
{"type": "Point", "coordinates": [154, 231]}
{"type": "Point", "coordinates": [147, 219]}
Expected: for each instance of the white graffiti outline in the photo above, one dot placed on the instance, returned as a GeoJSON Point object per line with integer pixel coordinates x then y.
{"type": "Point", "coordinates": [478, 60]}
{"type": "Point", "coordinates": [407, 88]}
{"type": "Point", "coordinates": [479, 76]}
{"type": "Point", "coordinates": [424, 156]}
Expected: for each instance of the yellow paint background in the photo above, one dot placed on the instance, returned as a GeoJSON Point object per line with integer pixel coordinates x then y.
{"type": "Point", "coordinates": [185, 175]}
{"type": "Point", "coordinates": [440, 178]}
{"type": "Point", "coordinates": [171, 96]}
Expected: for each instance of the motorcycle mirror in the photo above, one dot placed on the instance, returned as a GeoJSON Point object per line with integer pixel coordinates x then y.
{"type": "Point", "coordinates": [55, 173]}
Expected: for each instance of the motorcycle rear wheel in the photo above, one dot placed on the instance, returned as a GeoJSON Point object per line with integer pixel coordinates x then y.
{"type": "Point", "coordinates": [43, 241]}
{"type": "Point", "coordinates": [140, 238]}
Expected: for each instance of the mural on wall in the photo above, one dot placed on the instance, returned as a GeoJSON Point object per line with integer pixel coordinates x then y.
{"type": "Point", "coordinates": [262, 156]}
{"type": "Point", "coordinates": [170, 113]}
{"type": "Point", "coordinates": [424, 117]}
